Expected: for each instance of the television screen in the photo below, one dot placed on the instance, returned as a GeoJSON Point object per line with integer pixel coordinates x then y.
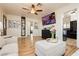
{"type": "Point", "coordinates": [49, 19]}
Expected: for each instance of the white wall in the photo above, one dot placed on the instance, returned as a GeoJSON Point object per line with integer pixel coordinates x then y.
{"type": "Point", "coordinates": [1, 18]}
{"type": "Point", "coordinates": [17, 31]}
{"type": "Point", "coordinates": [1, 14]}
{"type": "Point", "coordinates": [14, 31]}
{"type": "Point", "coordinates": [36, 32]}
{"type": "Point", "coordinates": [59, 17]}
{"type": "Point", "coordinates": [78, 29]}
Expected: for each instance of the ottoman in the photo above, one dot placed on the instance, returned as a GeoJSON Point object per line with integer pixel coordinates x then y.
{"type": "Point", "coordinates": [45, 48]}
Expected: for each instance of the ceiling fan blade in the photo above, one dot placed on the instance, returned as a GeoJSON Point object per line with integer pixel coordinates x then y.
{"type": "Point", "coordinates": [39, 10]}
{"type": "Point", "coordinates": [33, 6]}
{"type": "Point", "coordinates": [25, 8]}
{"type": "Point", "coordinates": [36, 13]}
{"type": "Point", "coordinates": [39, 4]}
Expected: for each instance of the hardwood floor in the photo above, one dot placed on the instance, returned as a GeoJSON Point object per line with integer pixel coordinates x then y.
{"type": "Point", "coordinates": [26, 46]}
{"type": "Point", "coordinates": [70, 46]}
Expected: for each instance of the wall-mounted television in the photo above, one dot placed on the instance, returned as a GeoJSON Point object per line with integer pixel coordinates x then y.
{"type": "Point", "coordinates": [49, 19]}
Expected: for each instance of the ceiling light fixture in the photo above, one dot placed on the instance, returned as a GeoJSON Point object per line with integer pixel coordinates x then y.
{"type": "Point", "coordinates": [33, 10]}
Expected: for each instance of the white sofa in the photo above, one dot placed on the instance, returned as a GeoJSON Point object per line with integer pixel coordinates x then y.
{"type": "Point", "coordinates": [9, 46]}
{"type": "Point", "coordinates": [7, 40]}
{"type": "Point", "coordinates": [44, 48]}
{"type": "Point", "coordinates": [9, 50]}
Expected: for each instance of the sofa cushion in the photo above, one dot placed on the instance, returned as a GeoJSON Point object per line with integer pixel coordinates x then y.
{"type": "Point", "coordinates": [9, 48]}
{"type": "Point", "coordinates": [45, 48]}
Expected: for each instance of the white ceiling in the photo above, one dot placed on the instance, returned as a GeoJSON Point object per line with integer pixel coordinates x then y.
{"type": "Point", "coordinates": [16, 8]}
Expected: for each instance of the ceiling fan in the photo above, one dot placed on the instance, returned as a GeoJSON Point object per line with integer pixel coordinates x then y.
{"type": "Point", "coordinates": [34, 8]}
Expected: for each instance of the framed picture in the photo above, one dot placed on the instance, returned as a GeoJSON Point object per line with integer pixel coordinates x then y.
{"type": "Point", "coordinates": [13, 24]}
{"type": "Point", "coordinates": [49, 19]}
{"type": "Point", "coordinates": [23, 26]}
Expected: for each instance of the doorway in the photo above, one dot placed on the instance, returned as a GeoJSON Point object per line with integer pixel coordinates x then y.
{"type": "Point", "coordinates": [70, 30]}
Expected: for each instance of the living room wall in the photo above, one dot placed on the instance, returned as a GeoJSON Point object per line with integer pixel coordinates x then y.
{"type": "Point", "coordinates": [1, 14]}
{"type": "Point", "coordinates": [1, 17]}
{"type": "Point", "coordinates": [17, 31]}
{"type": "Point", "coordinates": [59, 17]}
